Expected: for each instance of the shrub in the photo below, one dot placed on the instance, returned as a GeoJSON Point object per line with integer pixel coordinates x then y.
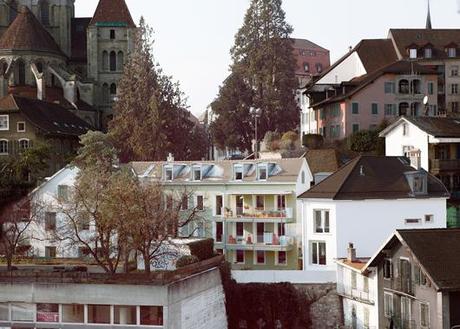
{"type": "Point", "coordinates": [290, 136]}
{"type": "Point", "coordinates": [186, 260]}
{"type": "Point", "coordinates": [363, 141]}
{"type": "Point", "coordinates": [270, 139]}
{"type": "Point", "coordinates": [313, 141]}
{"type": "Point", "coordinates": [202, 249]}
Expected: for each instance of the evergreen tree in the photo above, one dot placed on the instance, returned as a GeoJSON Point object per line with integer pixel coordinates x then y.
{"type": "Point", "coordinates": [150, 117]}
{"type": "Point", "coordinates": [263, 59]}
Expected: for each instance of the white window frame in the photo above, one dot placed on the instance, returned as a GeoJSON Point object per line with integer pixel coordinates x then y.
{"type": "Point", "coordinates": [256, 262]}
{"type": "Point", "coordinates": [7, 117]}
{"type": "Point", "coordinates": [277, 258]}
{"type": "Point", "coordinates": [323, 221]}
{"type": "Point", "coordinates": [409, 316]}
{"type": "Point", "coordinates": [222, 210]}
{"type": "Point", "coordinates": [235, 168]}
{"type": "Point", "coordinates": [431, 218]}
{"type": "Point", "coordinates": [413, 53]}
{"type": "Point", "coordinates": [259, 167]}
{"type": "Point", "coordinates": [452, 52]}
{"type": "Point", "coordinates": [194, 169]}
{"type": "Point", "coordinates": [165, 169]}
{"type": "Point", "coordinates": [24, 140]}
{"type": "Point", "coordinates": [318, 254]}
{"type": "Point", "coordinates": [428, 52]}
{"type": "Point", "coordinates": [7, 147]}
{"type": "Point", "coordinates": [388, 311]}
{"type": "Point", "coordinates": [17, 127]}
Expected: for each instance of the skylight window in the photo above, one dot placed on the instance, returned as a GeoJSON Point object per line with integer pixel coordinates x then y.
{"type": "Point", "coordinates": [196, 172]}
{"type": "Point", "coordinates": [238, 172]}
{"type": "Point", "coordinates": [262, 173]}
{"type": "Point", "coordinates": [168, 173]}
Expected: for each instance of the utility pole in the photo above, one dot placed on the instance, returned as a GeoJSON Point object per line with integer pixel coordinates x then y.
{"type": "Point", "coordinates": [256, 113]}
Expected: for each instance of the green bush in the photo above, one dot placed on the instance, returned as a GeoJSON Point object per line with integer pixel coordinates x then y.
{"type": "Point", "coordinates": [313, 141]}
{"type": "Point", "coordinates": [271, 140]}
{"type": "Point", "coordinates": [363, 141]}
{"type": "Point", "coordinates": [290, 136]}
{"type": "Point", "coordinates": [186, 260]}
{"type": "Point", "coordinates": [202, 249]}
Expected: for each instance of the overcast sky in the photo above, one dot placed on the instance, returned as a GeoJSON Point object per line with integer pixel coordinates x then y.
{"type": "Point", "coordinates": [193, 37]}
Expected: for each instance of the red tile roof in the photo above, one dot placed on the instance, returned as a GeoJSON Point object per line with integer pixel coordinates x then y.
{"type": "Point", "coordinates": [112, 13]}
{"type": "Point", "coordinates": [27, 33]}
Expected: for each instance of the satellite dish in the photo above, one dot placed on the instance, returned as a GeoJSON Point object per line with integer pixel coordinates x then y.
{"type": "Point", "coordinates": [425, 100]}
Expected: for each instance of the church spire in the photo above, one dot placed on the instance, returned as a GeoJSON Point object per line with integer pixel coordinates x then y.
{"type": "Point", "coordinates": [428, 18]}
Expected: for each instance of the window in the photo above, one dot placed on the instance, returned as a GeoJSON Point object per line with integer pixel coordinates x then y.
{"type": "Point", "coordinates": [452, 52]}
{"type": "Point", "coordinates": [366, 284]}
{"type": "Point", "coordinates": [45, 12]}
{"type": "Point", "coordinates": [113, 89]}
{"type": "Point", "coordinates": [428, 52]}
{"type": "Point", "coordinates": [23, 144]}
{"type": "Point", "coordinates": [21, 127]}
{"type": "Point", "coordinates": [355, 108]}
{"type": "Point", "coordinates": [366, 316]}
{"type": "Point", "coordinates": [262, 172]}
{"type": "Point", "coordinates": [260, 229]}
{"type": "Point", "coordinates": [219, 231]}
{"type": "Point", "coordinates": [50, 252]}
{"type": "Point", "coordinates": [168, 173]}
{"type": "Point", "coordinates": [319, 68]}
{"type": "Point", "coordinates": [99, 314]}
{"type": "Point", "coordinates": [390, 109]}
{"type": "Point", "coordinates": [3, 147]}
{"type": "Point", "coordinates": [63, 192]}
{"type": "Point", "coordinates": [429, 218]}
{"type": "Point", "coordinates": [303, 177]}
{"type": "Point", "coordinates": [388, 268]}
{"type": "Point", "coordinates": [199, 202]}
{"type": "Point", "coordinates": [219, 205]}
{"type": "Point", "coordinates": [72, 313]}
{"type": "Point", "coordinates": [113, 61]}
{"type": "Point", "coordinates": [124, 314]}
{"type": "Point", "coordinates": [306, 67]}
{"type": "Point", "coordinates": [281, 202]}
{"type": "Point", "coordinates": [4, 312]}
{"type": "Point", "coordinates": [240, 256]}
{"type": "Point", "coordinates": [120, 61]}
{"type": "Point", "coordinates": [50, 221]}
{"type": "Point", "coordinates": [260, 257]}
{"type": "Point", "coordinates": [321, 221]}
{"type": "Point", "coordinates": [4, 122]}
{"type": "Point", "coordinates": [151, 315]}
{"type": "Point", "coordinates": [454, 107]}
{"type": "Point", "coordinates": [281, 229]}
{"type": "Point", "coordinates": [112, 34]}
{"type": "Point", "coordinates": [22, 312]}
{"type": "Point", "coordinates": [388, 305]}
{"type": "Point", "coordinates": [196, 173]}
{"type": "Point", "coordinates": [47, 312]}
{"type": "Point", "coordinates": [389, 87]}
{"type": "Point", "coordinates": [454, 88]}
{"type": "Point", "coordinates": [454, 71]}
{"type": "Point", "coordinates": [238, 172]}
{"type": "Point", "coordinates": [318, 253]}
{"type": "Point", "coordinates": [184, 203]}
{"type": "Point", "coordinates": [354, 280]}
{"type": "Point", "coordinates": [260, 202]}
{"type": "Point", "coordinates": [13, 12]}
{"type": "Point", "coordinates": [239, 230]}
{"type": "Point", "coordinates": [430, 88]}
{"type": "Point", "coordinates": [375, 108]}
{"type": "Point", "coordinates": [405, 128]}
{"type": "Point", "coordinates": [281, 258]}
{"type": "Point", "coordinates": [412, 220]}
{"type": "Point", "coordinates": [21, 73]}
{"type": "Point", "coordinates": [424, 315]}
{"type": "Point", "coordinates": [419, 183]}
{"type": "Point", "coordinates": [413, 53]}
{"type": "Point", "coordinates": [405, 309]}
{"type": "Point", "coordinates": [355, 127]}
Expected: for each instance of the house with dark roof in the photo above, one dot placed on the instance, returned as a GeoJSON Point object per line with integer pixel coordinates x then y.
{"type": "Point", "coordinates": [418, 279]}
{"type": "Point", "coordinates": [363, 202]}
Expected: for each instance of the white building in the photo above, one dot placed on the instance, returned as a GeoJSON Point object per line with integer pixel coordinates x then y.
{"type": "Point", "coordinates": [364, 202]}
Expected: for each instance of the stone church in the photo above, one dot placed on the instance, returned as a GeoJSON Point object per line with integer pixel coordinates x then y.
{"type": "Point", "coordinates": [48, 54]}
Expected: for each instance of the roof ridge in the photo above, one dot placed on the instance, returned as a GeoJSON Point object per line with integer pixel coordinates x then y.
{"type": "Point", "coordinates": [357, 159]}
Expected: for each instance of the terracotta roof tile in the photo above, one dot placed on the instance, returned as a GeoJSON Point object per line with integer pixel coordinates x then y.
{"type": "Point", "coordinates": [112, 13]}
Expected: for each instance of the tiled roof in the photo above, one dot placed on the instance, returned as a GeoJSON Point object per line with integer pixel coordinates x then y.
{"type": "Point", "coordinates": [112, 13]}
{"type": "Point", "coordinates": [78, 31]}
{"type": "Point", "coordinates": [437, 127]}
{"type": "Point", "coordinates": [307, 44]}
{"type": "Point", "coordinates": [51, 118]}
{"type": "Point", "coordinates": [440, 39]}
{"type": "Point", "coordinates": [325, 160]}
{"type": "Point", "coordinates": [372, 177]}
{"type": "Point", "coordinates": [27, 33]}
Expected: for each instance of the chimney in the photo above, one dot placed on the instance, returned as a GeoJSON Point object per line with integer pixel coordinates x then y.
{"type": "Point", "coordinates": [170, 158]}
{"type": "Point", "coordinates": [351, 253]}
{"type": "Point", "coordinates": [350, 49]}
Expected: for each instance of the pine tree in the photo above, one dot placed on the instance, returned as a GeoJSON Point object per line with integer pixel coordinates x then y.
{"type": "Point", "coordinates": [150, 117]}
{"type": "Point", "coordinates": [263, 59]}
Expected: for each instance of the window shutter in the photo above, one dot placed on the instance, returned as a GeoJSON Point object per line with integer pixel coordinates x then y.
{"type": "Point", "coordinates": [396, 269]}
{"type": "Point", "coordinates": [416, 270]}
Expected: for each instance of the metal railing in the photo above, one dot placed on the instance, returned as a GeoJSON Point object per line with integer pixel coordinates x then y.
{"type": "Point", "coordinates": [450, 164]}
{"type": "Point", "coordinates": [353, 293]}
{"type": "Point", "coordinates": [240, 212]}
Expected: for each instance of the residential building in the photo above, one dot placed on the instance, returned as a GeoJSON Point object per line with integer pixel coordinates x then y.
{"type": "Point", "coordinates": [369, 194]}
{"type": "Point", "coordinates": [358, 290]}
{"type": "Point", "coordinates": [433, 144]}
{"type": "Point", "coordinates": [418, 279]}
{"type": "Point", "coordinates": [26, 121]}
{"type": "Point", "coordinates": [81, 297]}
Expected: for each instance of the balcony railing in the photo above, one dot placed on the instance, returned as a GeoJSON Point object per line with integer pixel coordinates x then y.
{"type": "Point", "coordinates": [440, 165]}
{"type": "Point", "coordinates": [248, 213]}
{"type": "Point", "coordinates": [267, 241]}
{"type": "Point", "coordinates": [356, 294]}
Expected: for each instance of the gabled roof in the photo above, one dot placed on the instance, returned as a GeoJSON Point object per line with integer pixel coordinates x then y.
{"type": "Point", "coordinates": [307, 44]}
{"type": "Point", "coordinates": [436, 250]}
{"type": "Point", "coordinates": [28, 34]}
{"type": "Point", "coordinates": [112, 13]}
{"type": "Point", "coordinates": [51, 118]}
{"type": "Point", "coordinates": [373, 177]}
{"type": "Point", "coordinates": [434, 126]}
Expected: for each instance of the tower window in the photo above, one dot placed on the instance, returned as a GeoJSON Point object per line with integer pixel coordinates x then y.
{"type": "Point", "coordinates": [113, 61]}
{"type": "Point", "coordinates": [113, 89]}
{"type": "Point", "coordinates": [112, 34]}
{"type": "Point", "coordinates": [45, 12]}
{"type": "Point", "coordinates": [120, 61]}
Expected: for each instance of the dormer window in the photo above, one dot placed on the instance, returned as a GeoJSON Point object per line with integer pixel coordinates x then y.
{"type": "Point", "coordinates": [306, 67]}
{"type": "Point", "coordinates": [168, 173]}
{"type": "Point", "coordinates": [262, 173]}
{"type": "Point", "coordinates": [452, 52]}
{"type": "Point", "coordinates": [418, 182]}
{"type": "Point", "coordinates": [413, 53]}
{"type": "Point", "coordinates": [428, 52]}
{"type": "Point", "coordinates": [196, 172]}
{"type": "Point", "coordinates": [238, 172]}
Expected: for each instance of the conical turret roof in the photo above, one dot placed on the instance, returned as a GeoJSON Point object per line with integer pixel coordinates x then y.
{"type": "Point", "coordinates": [27, 33]}
{"type": "Point", "coordinates": [112, 13]}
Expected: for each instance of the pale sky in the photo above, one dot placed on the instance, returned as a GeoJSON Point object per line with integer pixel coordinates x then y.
{"type": "Point", "coordinates": [193, 37]}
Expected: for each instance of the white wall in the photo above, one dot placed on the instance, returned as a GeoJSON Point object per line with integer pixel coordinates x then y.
{"type": "Point", "coordinates": [395, 141]}
{"type": "Point", "coordinates": [350, 68]}
{"type": "Point", "coordinates": [295, 277]}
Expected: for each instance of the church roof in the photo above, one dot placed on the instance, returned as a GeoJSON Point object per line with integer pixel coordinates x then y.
{"type": "Point", "coordinates": [27, 33]}
{"type": "Point", "coordinates": [112, 13]}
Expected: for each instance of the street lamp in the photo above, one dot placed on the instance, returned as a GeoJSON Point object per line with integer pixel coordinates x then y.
{"type": "Point", "coordinates": [256, 113]}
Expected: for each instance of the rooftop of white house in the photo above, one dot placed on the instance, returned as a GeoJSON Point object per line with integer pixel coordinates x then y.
{"type": "Point", "coordinates": [434, 126]}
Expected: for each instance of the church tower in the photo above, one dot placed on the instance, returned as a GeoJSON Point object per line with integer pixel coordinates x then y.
{"type": "Point", "coordinates": [109, 40]}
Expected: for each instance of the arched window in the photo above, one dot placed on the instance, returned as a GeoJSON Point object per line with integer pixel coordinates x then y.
{"type": "Point", "coordinates": [415, 109]}
{"type": "Point", "coordinates": [3, 147]}
{"type": "Point", "coordinates": [24, 144]}
{"type": "Point", "coordinates": [45, 12]}
{"type": "Point", "coordinates": [105, 61]}
{"type": "Point", "coordinates": [113, 61]}
{"type": "Point", "coordinates": [13, 10]}
{"type": "Point", "coordinates": [120, 61]}
{"type": "Point", "coordinates": [21, 79]}
{"type": "Point", "coordinates": [113, 89]}
{"type": "Point", "coordinates": [105, 93]}
{"type": "Point", "coordinates": [404, 86]}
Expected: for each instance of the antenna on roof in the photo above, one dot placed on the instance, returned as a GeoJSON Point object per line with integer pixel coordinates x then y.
{"type": "Point", "coordinates": [428, 18]}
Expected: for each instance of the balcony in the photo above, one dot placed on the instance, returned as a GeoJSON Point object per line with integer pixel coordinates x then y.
{"type": "Point", "coordinates": [266, 242]}
{"type": "Point", "coordinates": [358, 295]}
{"type": "Point", "coordinates": [242, 215]}
{"type": "Point", "coordinates": [438, 165]}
